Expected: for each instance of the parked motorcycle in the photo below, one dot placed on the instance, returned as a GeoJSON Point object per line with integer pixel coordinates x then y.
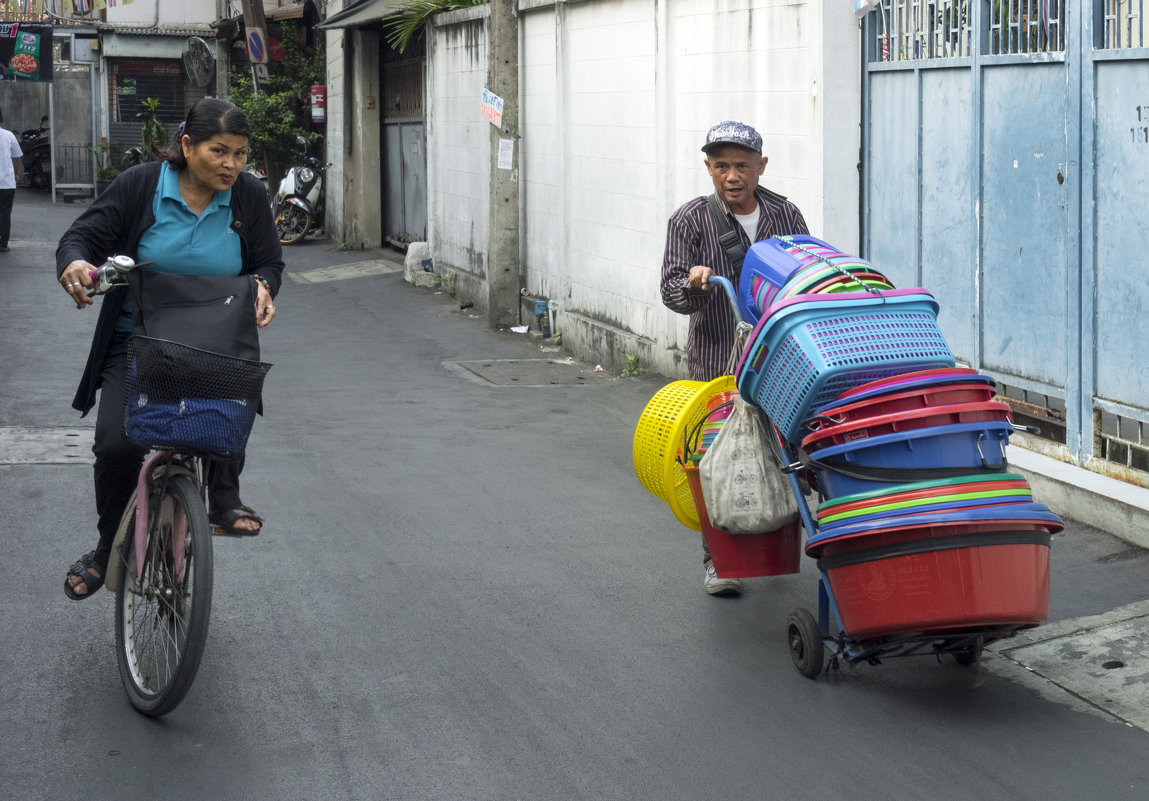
{"type": "Point", "coordinates": [298, 203]}
{"type": "Point", "coordinates": [37, 159]}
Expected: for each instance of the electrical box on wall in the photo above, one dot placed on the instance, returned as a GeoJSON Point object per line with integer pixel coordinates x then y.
{"type": "Point", "coordinates": [85, 48]}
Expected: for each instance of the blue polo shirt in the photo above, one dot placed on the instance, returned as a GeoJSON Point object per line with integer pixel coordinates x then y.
{"type": "Point", "coordinates": [180, 242]}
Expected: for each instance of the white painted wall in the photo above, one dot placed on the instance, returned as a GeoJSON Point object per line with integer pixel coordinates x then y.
{"type": "Point", "coordinates": [616, 97]}
{"type": "Point", "coordinates": [171, 13]}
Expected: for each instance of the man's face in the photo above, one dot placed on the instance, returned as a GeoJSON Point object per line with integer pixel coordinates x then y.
{"type": "Point", "coordinates": [735, 171]}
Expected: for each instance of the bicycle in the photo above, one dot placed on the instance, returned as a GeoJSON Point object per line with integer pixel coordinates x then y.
{"type": "Point", "coordinates": [161, 565]}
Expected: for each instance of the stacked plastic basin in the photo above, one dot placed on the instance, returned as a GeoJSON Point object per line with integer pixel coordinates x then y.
{"type": "Point", "coordinates": [921, 528]}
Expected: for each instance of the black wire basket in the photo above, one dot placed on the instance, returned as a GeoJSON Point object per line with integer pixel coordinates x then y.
{"type": "Point", "coordinates": [190, 400]}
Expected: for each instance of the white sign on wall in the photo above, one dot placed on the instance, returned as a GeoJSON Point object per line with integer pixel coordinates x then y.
{"type": "Point", "coordinates": [493, 107]}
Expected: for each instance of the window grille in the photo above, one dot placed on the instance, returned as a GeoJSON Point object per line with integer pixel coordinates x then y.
{"type": "Point", "coordinates": [1025, 26]}
{"type": "Point", "coordinates": [910, 30]}
{"type": "Point", "coordinates": [918, 29]}
{"type": "Point", "coordinates": [1123, 23]}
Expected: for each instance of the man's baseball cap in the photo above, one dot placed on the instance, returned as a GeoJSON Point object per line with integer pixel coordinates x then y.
{"type": "Point", "coordinates": [732, 132]}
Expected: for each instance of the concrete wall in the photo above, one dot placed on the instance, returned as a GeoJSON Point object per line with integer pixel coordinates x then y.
{"type": "Point", "coordinates": [458, 149]}
{"type": "Point", "coordinates": [354, 139]}
{"type": "Point", "coordinates": [616, 97]}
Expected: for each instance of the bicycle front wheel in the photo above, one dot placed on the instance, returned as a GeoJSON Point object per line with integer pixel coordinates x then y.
{"type": "Point", "coordinates": [162, 610]}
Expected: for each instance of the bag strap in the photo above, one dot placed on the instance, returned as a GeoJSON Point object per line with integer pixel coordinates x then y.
{"type": "Point", "coordinates": [727, 236]}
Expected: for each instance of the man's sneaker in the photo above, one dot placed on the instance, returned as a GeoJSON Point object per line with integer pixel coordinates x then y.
{"type": "Point", "coordinates": [720, 586]}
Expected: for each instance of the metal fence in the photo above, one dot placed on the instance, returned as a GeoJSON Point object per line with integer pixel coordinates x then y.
{"type": "Point", "coordinates": [1123, 24]}
{"type": "Point", "coordinates": [75, 167]}
{"type": "Point", "coordinates": [911, 30]}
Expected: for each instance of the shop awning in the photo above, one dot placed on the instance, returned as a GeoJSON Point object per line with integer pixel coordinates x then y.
{"type": "Point", "coordinates": [363, 12]}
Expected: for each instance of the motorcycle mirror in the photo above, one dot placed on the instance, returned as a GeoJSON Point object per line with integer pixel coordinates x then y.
{"type": "Point", "coordinates": [44, 119]}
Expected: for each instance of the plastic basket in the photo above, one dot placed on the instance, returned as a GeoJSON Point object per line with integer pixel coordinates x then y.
{"type": "Point", "coordinates": [190, 400]}
{"type": "Point", "coordinates": [807, 354]}
{"type": "Point", "coordinates": [768, 265]}
{"type": "Point", "coordinates": [657, 449]}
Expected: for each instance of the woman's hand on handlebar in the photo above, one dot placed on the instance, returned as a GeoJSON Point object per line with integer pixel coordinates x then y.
{"type": "Point", "coordinates": [264, 308]}
{"type": "Point", "coordinates": [76, 280]}
{"type": "Point", "coordinates": [700, 277]}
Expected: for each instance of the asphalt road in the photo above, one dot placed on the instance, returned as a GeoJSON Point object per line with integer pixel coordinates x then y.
{"type": "Point", "coordinates": [463, 592]}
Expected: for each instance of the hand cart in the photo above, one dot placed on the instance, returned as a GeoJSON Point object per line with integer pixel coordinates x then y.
{"type": "Point", "coordinates": [936, 560]}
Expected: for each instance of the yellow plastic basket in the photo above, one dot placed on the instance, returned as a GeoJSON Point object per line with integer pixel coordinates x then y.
{"type": "Point", "coordinates": [658, 440]}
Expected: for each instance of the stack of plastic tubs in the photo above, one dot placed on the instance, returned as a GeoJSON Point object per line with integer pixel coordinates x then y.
{"type": "Point", "coordinates": [920, 528]}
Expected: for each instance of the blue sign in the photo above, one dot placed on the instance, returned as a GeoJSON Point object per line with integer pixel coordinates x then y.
{"type": "Point", "coordinates": [256, 47]}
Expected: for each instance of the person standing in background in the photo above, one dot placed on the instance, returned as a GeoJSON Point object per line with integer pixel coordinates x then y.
{"type": "Point", "coordinates": [9, 178]}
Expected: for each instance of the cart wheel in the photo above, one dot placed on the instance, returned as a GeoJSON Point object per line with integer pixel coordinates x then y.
{"type": "Point", "coordinates": [967, 656]}
{"type": "Point", "coordinates": [805, 641]}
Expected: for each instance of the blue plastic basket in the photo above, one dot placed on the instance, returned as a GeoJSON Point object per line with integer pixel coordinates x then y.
{"type": "Point", "coordinates": [767, 266]}
{"type": "Point", "coordinates": [806, 354]}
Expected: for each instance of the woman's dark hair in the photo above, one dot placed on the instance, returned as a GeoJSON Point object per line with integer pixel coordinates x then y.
{"type": "Point", "coordinates": [205, 119]}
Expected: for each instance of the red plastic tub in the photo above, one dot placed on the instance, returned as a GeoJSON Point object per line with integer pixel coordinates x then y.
{"type": "Point", "coordinates": [770, 553]}
{"type": "Point", "coordinates": [904, 401]}
{"type": "Point", "coordinates": [940, 579]}
{"type": "Point", "coordinates": [877, 425]}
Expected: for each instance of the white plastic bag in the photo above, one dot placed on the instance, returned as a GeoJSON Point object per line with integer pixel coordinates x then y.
{"type": "Point", "coordinates": [742, 481]}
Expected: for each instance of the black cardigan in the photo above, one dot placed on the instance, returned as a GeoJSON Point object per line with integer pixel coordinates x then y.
{"type": "Point", "coordinates": [114, 225]}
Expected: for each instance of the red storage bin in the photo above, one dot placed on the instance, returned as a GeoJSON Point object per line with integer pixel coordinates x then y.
{"type": "Point", "coordinates": [876, 426]}
{"type": "Point", "coordinates": [769, 553]}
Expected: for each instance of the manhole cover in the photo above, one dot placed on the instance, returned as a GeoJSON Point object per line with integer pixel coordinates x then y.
{"type": "Point", "coordinates": [20, 445]}
{"type": "Point", "coordinates": [526, 372]}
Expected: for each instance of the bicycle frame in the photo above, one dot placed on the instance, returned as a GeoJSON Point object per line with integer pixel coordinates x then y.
{"type": "Point", "coordinates": [170, 464]}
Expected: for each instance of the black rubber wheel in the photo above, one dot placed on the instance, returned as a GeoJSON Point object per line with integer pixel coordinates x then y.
{"type": "Point", "coordinates": [292, 224]}
{"type": "Point", "coordinates": [806, 648]}
{"type": "Point", "coordinates": [967, 656]}
{"type": "Point", "coordinates": [162, 617]}
{"type": "Point", "coordinates": [39, 178]}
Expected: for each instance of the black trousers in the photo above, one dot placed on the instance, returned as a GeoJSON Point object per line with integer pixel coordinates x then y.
{"type": "Point", "coordinates": [118, 459]}
{"type": "Point", "coordinates": [7, 197]}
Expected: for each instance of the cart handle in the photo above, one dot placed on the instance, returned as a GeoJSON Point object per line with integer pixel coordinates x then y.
{"type": "Point", "coordinates": [728, 288]}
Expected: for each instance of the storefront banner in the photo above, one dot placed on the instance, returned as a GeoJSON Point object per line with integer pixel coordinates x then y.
{"type": "Point", "coordinates": [25, 51]}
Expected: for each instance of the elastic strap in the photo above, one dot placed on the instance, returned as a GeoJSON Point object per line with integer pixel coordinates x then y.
{"type": "Point", "coordinates": [897, 475]}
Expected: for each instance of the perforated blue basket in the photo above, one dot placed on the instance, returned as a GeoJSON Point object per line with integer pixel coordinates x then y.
{"type": "Point", "coordinates": [807, 354]}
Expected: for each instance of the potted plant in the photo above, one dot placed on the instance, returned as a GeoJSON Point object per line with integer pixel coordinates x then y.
{"type": "Point", "coordinates": [154, 134]}
{"type": "Point", "coordinates": [111, 159]}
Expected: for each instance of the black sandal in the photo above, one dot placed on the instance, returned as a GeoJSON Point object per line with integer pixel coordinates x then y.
{"type": "Point", "coordinates": [83, 569]}
{"type": "Point", "coordinates": [225, 522]}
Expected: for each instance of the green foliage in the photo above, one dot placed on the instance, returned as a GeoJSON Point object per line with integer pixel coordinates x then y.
{"type": "Point", "coordinates": [279, 110]}
{"type": "Point", "coordinates": [558, 337]}
{"type": "Point", "coordinates": [632, 368]}
{"type": "Point", "coordinates": [406, 26]}
{"type": "Point", "coordinates": [111, 159]}
{"type": "Point", "coordinates": [154, 133]}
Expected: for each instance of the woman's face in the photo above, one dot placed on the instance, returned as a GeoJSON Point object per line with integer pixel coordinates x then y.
{"type": "Point", "coordinates": [216, 162]}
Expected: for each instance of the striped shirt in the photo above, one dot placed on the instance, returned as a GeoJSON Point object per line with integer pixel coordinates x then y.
{"type": "Point", "coordinates": [692, 239]}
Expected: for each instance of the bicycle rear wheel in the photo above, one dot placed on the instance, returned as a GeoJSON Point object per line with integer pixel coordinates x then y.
{"type": "Point", "coordinates": [162, 616]}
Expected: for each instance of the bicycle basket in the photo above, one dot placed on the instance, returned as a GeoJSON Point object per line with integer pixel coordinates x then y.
{"type": "Point", "coordinates": [190, 400]}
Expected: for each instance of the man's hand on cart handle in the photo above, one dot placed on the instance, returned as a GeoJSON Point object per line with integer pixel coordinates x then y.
{"type": "Point", "coordinates": [700, 277]}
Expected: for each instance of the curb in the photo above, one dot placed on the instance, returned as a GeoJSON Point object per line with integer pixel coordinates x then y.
{"type": "Point", "coordinates": [1099, 501]}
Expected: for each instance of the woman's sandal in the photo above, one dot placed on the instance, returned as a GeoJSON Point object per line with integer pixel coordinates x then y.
{"type": "Point", "coordinates": [83, 569]}
{"type": "Point", "coordinates": [225, 522]}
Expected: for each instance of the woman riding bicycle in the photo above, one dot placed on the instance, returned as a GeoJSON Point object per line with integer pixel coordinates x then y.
{"type": "Point", "coordinates": [196, 213]}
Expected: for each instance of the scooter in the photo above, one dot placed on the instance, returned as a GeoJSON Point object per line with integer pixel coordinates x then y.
{"type": "Point", "coordinates": [37, 159]}
{"type": "Point", "coordinates": [298, 203]}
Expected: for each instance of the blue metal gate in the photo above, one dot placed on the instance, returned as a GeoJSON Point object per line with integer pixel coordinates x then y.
{"type": "Point", "coordinates": [1006, 169]}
